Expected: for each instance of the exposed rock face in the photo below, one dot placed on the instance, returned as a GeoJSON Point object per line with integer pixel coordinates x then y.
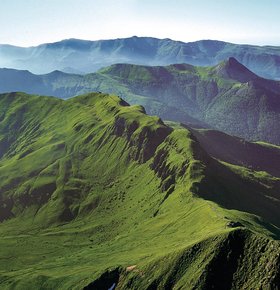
{"type": "Point", "coordinates": [143, 141]}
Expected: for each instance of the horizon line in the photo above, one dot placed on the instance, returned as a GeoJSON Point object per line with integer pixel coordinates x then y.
{"type": "Point", "coordinates": [135, 36]}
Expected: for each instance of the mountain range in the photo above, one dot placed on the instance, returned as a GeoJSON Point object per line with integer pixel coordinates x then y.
{"type": "Point", "coordinates": [96, 194]}
{"type": "Point", "coordinates": [81, 56]}
{"type": "Point", "coordinates": [139, 163]}
{"type": "Point", "coordinates": [227, 97]}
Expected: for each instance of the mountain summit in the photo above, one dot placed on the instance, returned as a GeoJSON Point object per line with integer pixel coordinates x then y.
{"type": "Point", "coordinates": [233, 69]}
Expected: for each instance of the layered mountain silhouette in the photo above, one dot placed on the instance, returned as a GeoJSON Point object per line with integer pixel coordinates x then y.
{"type": "Point", "coordinates": [80, 56]}
{"type": "Point", "coordinates": [228, 97]}
{"type": "Point", "coordinates": [95, 193]}
{"type": "Point", "coordinates": [139, 163]}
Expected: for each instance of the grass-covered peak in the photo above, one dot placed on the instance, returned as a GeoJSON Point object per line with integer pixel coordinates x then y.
{"type": "Point", "coordinates": [232, 69]}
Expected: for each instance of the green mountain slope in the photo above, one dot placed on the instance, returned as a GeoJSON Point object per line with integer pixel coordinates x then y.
{"type": "Point", "coordinates": [257, 156]}
{"type": "Point", "coordinates": [227, 97]}
{"type": "Point", "coordinates": [94, 192]}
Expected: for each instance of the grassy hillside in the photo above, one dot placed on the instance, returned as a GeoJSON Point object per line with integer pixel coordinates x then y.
{"type": "Point", "coordinates": [94, 192]}
{"type": "Point", "coordinates": [227, 97]}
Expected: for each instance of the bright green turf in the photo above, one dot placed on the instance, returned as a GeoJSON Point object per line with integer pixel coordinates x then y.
{"type": "Point", "coordinates": [91, 183]}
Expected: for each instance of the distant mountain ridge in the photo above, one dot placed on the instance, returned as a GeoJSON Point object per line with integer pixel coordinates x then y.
{"type": "Point", "coordinates": [82, 56]}
{"type": "Point", "coordinates": [228, 97]}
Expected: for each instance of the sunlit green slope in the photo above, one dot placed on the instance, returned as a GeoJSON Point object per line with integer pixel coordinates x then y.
{"type": "Point", "coordinates": [95, 192]}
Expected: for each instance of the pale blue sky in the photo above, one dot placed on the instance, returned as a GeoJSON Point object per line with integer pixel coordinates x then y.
{"type": "Point", "coordinates": [31, 22]}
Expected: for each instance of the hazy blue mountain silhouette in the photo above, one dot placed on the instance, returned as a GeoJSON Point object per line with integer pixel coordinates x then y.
{"type": "Point", "coordinates": [81, 56]}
